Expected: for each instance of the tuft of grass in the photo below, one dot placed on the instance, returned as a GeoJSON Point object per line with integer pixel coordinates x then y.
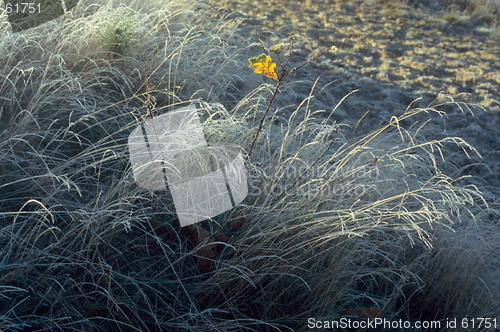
{"type": "Point", "coordinates": [450, 17]}
{"type": "Point", "coordinates": [487, 11]}
{"type": "Point", "coordinates": [364, 225]}
{"type": "Point", "coordinates": [121, 33]}
{"type": "Point", "coordinates": [74, 229]}
{"type": "Point", "coordinates": [492, 31]}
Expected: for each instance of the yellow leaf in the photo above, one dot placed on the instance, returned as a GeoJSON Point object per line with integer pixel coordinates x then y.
{"type": "Point", "coordinates": [263, 65]}
{"type": "Point", "coordinates": [275, 47]}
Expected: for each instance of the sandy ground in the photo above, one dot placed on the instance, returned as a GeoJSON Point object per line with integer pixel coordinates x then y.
{"type": "Point", "coordinates": [393, 54]}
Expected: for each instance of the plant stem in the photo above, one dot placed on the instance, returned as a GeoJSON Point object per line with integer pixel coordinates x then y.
{"type": "Point", "coordinates": [281, 83]}
{"type": "Point", "coordinates": [261, 124]}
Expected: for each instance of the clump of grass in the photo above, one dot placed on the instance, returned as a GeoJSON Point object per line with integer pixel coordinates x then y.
{"type": "Point", "coordinates": [66, 190]}
{"type": "Point", "coordinates": [363, 225]}
{"type": "Point", "coordinates": [335, 219]}
{"type": "Point", "coordinates": [450, 17]}
{"type": "Point", "coordinates": [493, 31]}
{"type": "Point", "coordinates": [483, 15]}
{"type": "Point", "coordinates": [487, 11]}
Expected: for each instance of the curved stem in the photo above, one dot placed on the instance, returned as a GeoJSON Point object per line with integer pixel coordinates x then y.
{"type": "Point", "coordinates": [261, 124]}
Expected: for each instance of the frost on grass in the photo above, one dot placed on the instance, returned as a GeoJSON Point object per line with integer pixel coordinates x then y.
{"type": "Point", "coordinates": [334, 221]}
